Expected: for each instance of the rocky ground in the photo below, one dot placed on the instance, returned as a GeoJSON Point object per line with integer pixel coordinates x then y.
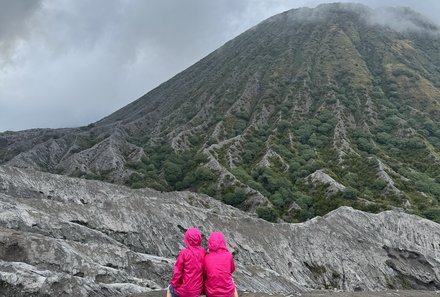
{"type": "Point", "coordinates": [323, 294]}
{"type": "Point", "coordinates": [62, 236]}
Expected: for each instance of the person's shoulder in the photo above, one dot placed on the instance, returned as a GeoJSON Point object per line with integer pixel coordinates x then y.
{"type": "Point", "coordinates": [183, 251]}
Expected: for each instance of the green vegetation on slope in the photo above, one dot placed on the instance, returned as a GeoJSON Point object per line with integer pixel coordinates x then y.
{"type": "Point", "coordinates": [359, 101]}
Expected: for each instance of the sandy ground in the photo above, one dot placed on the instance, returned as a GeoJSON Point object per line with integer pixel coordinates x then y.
{"type": "Point", "coordinates": [324, 294]}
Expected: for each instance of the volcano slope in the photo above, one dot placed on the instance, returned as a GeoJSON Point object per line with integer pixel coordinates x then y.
{"type": "Point", "coordinates": [63, 236]}
{"type": "Point", "coordinates": [307, 111]}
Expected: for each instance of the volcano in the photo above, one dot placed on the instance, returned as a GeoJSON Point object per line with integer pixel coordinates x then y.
{"type": "Point", "coordinates": [309, 110]}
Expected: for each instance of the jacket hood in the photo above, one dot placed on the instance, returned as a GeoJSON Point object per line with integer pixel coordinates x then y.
{"type": "Point", "coordinates": [216, 241]}
{"type": "Point", "coordinates": [193, 237]}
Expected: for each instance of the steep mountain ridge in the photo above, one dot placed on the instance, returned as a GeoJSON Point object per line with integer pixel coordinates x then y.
{"type": "Point", "coordinates": [63, 236]}
{"type": "Point", "coordinates": [341, 91]}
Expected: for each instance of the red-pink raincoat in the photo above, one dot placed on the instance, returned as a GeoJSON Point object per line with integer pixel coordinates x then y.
{"type": "Point", "coordinates": [219, 266]}
{"type": "Point", "coordinates": [187, 280]}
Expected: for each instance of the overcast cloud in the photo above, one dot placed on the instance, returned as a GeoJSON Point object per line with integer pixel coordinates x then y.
{"type": "Point", "coordinates": [66, 63]}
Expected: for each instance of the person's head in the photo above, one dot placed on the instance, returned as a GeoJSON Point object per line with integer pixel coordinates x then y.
{"type": "Point", "coordinates": [193, 237]}
{"type": "Point", "coordinates": [216, 241]}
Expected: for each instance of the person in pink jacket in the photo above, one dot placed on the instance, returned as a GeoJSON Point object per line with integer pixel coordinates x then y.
{"type": "Point", "coordinates": [218, 268]}
{"type": "Point", "coordinates": [187, 279]}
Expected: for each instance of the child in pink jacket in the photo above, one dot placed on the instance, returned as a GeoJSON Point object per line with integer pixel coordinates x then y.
{"type": "Point", "coordinates": [218, 268]}
{"type": "Point", "coordinates": [187, 280]}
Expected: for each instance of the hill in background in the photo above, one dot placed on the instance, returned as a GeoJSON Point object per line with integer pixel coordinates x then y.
{"type": "Point", "coordinates": [307, 111]}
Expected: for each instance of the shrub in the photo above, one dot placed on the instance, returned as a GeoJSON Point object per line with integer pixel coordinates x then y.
{"type": "Point", "coordinates": [350, 193]}
{"type": "Point", "coordinates": [173, 172]}
{"type": "Point", "coordinates": [235, 198]}
{"type": "Point", "coordinates": [266, 213]}
{"type": "Point", "coordinates": [433, 214]}
{"type": "Point", "coordinates": [204, 174]}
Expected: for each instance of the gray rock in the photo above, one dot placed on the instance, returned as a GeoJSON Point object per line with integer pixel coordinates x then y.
{"type": "Point", "coordinates": [320, 177]}
{"type": "Point", "coordinates": [62, 236]}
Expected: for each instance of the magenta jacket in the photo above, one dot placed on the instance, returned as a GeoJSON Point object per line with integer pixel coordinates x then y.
{"type": "Point", "coordinates": [187, 280]}
{"type": "Point", "coordinates": [218, 268]}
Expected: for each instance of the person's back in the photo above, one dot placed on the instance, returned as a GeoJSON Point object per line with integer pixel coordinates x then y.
{"type": "Point", "coordinates": [218, 266]}
{"type": "Point", "coordinates": [187, 280]}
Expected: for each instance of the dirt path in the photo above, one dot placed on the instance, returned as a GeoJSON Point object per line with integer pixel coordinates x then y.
{"type": "Point", "coordinates": [323, 294]}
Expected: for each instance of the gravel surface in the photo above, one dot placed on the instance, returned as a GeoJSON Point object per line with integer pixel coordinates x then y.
{"type": "Point", "coordinates": [324, 293]}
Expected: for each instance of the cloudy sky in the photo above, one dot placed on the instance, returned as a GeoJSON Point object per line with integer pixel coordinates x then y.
{"type": "Point", "coordinates": [66, 63]}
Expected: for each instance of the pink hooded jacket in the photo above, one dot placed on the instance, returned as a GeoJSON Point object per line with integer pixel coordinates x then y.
{"type": "Point", "coordinates": [219, 266]}
{"type": "Point", "coordinates": [187, 280]}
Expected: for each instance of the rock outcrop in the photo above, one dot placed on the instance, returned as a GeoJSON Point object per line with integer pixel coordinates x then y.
{"type": "Point", "coordinates": [320, 177]}
{"type": "Point", "coordinates": [62, 236]}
